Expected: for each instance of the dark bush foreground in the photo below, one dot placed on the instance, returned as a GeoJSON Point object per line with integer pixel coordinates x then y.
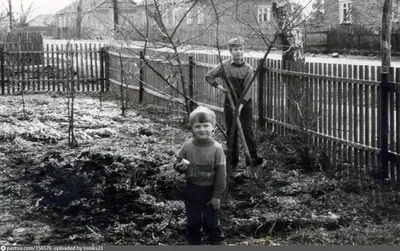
{"type": "Point", "coordinates": [118, 186]}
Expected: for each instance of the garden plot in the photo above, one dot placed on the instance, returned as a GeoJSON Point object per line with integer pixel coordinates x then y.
{"type": "Point", "coordinates": [118, 186]}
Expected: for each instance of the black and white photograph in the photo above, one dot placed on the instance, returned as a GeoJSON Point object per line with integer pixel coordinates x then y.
{"type": "Point", "coordinates": [128, 123]}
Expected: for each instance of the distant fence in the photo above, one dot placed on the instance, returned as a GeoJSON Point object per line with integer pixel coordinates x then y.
{"type": "Point", "coordinates": [44, 30]}
{"type": "Point", "coordinates": [23, 41]}
{"type": "Point", "coordinates": [59, 66]}
{"type": "Point", "coordinates": [28, 38]}
{"type": "Point", "coordinates": [342, 101]}
{"type": "Point", "coordinates": [348, 40]}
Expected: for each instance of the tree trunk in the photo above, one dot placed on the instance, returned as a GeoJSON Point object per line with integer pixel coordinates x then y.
{"type": "Point", "coordinates": [386, 55]}
{"type": "Point", "coordinates": [291, 38]}
{"type": "Point", "coordinates": [10, 16]}
{"type": "Point", "coordinates": [115, 8]}
{"type": "Point", "coordinates": [295, 51]}
{"type": "Point", "coordinates": [386, 33]}
{"type": "Point", "coordinates": [79, 20]}
{"type": "Point", "coordinates": [292, 41]}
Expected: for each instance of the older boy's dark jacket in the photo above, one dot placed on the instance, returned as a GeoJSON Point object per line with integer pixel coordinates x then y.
{"type": "Point", "coordinates": [239, 76]}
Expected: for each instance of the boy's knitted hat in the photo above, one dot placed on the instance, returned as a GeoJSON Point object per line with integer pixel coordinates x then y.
{"type": "Point", "coordinates": [235, 42]}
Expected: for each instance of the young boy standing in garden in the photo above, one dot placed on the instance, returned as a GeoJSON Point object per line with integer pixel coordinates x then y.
{"type": "Point", "coordinates": [202, 160]}
{"type": "Point", "coordinates": [239, 74]}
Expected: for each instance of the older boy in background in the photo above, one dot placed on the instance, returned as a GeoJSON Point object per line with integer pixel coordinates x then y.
{"type": "Point", "coordinates": [239, 74]}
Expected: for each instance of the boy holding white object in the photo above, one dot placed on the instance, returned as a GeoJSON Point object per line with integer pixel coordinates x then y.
{"type": "Point", "coordinates": [202, 160]}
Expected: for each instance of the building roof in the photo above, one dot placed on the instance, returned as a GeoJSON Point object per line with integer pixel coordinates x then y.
{"type": "Point", "coordinates": [41, 20]}
{"type": "Point", "coordinates": [89, 5]}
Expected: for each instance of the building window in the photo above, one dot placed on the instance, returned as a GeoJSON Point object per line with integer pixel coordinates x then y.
{"type": "Point", "coordinates": [168, 19]}
{"type": "Point", "coordinates": [195, 16]}
{"type": "Point", "coordinates": [177, 15]}
{"type": "Point", "coordinates": [346, 13]}
{"type": "Point", "coordinates": [190, 17]}
{"type": "Point", "coordinates": [263, 14]}
{"type": "Point", "coordinates": [200, 17]}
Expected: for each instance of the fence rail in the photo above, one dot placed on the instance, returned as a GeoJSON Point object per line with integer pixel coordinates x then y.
{"type": "Point", "coordinates": [348, 40]}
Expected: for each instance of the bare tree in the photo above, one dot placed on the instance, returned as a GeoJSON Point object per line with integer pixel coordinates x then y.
{"type": "Point", "coordinates": [71, 93]}
{"type": "Point", "coordinates": [169, 18]}
{"type": "Point", "coordinates": [284, 23]}
{"type": "Point", "coordinates": [317, 15]}
{"type": "Point", "coordinates": [25, 12]}
{"type": "Point", "coordinates": [10, 15]}
{"type": "Point", "coordinates": [157, 13]}
{"type": "Point", "coordinates": [7, 8]}
{"type": "Point", "coordinates": [3, 11]}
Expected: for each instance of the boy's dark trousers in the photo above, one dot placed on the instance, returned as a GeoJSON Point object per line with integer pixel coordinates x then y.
{"type": "Point", "coordinates": [200, 215]}
{"type": "Point", "coordinates": [246, 119]}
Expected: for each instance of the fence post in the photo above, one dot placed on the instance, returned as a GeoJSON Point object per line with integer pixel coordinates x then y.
{"type": "Point", "coordinates": [261, 98]}
{"type": "Point", "coordinates": [107, 69]}
{"type": "Point", "coordinates": [102, 65]}
{"type": "Point", "coordinates": [2, 69]}
{"type": "Point", "coordinates": [141, 77]}
{"type": "Point", "coordinates": [191, 82]}
{"type": "Point", "coordinates": [384, 123]}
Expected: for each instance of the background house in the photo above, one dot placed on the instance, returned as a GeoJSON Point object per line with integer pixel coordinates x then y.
{"type": "Point", "coordinates": [352, 26]}
{"type": "Point", "coordinates": [97, 18]}
{"type": "Point", "coordinates": [43, 20]}
{"type": "Point", "coordinates": [198, 26]}
{"type": "Point", "coordinates": [365, 13]}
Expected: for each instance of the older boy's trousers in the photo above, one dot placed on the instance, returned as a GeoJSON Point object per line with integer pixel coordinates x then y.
{"type": "Point", "coordinates": [246, 119]}
{"type": "Point", "coordinates": [200, 215]}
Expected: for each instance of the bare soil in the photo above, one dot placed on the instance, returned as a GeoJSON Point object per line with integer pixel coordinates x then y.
{"type": "Point", "coordinates": [118, 186]}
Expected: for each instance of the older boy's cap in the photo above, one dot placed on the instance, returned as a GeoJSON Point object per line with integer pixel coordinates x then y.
{"type": "Point", "coordinates": [236, 41]}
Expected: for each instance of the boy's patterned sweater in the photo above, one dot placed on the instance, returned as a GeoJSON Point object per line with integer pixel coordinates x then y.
{"type": "Point", "coordinates": [207, 163]}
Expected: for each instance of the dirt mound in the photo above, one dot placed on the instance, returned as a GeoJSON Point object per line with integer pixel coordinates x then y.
{"type": "Point", "coordinates": [101, 190]}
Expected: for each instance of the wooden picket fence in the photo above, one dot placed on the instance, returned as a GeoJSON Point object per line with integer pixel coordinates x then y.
{"type": "Point", "coordinates": [53, 68]}
{"type": "Point", "coordinates": [350, 113]}
{"type": "Point", "coordinates": [348, 110]}
{"type": "Point", "coordinates": [339, 105]}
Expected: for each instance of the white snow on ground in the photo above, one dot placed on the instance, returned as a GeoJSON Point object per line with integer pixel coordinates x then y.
{"type": "Point", "coordinates": [343, 59]}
